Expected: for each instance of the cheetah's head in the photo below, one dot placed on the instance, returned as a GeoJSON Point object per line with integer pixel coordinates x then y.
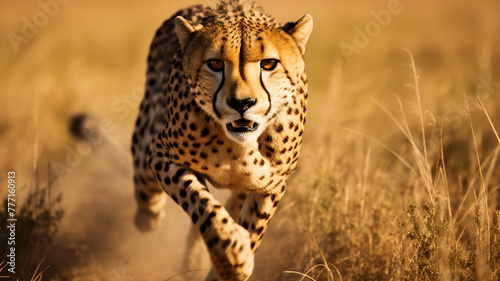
{"type": "Point", "coordinates": [242, 66]}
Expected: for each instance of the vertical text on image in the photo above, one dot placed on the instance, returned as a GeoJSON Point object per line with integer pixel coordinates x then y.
{"type": "Point", "coordinates": [11, 220]}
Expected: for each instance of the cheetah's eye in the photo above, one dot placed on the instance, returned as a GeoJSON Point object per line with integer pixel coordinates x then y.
{"type": "Point", "coordinates": [215, 65]}
{"type": "Point", "coordinates": [269, 64]}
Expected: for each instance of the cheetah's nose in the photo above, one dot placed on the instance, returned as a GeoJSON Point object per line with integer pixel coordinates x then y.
{"type": "Point", "coordinates": [241, 105]}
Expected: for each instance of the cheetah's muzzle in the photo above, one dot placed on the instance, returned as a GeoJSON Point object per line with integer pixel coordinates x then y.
{"type": "Point", "coordinates": [241, 126]}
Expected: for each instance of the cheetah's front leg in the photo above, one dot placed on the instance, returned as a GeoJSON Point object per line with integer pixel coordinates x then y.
{"type": "Point", "coordinates": [228, 243]}
{"type": "Point", "coordinates": [255, 215]}
{"type": "Point", "coordinates": [192, 256]}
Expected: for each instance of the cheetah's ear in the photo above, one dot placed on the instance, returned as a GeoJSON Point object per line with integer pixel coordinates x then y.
{"type": "Point", "coordinates": [300, 31]}
{"type": "Point", "coordinates": [183, 30]}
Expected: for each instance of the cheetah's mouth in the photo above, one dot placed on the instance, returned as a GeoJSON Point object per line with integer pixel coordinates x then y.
{"type": "Point", "coordinates": [241, 126]}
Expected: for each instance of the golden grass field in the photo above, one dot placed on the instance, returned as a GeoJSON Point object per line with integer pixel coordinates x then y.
{"type": "Point", "coordinates": [398, 178]}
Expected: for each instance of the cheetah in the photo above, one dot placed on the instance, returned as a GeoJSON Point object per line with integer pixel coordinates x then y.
{"type": "Point", "coordinates": [225, 105]}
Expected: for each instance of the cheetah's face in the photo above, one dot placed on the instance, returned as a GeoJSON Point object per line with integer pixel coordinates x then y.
{"type": "Point", "coordinates": [242, 74]}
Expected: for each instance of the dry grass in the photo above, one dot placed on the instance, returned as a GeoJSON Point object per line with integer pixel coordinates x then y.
{"type": "Point", "coordinates": [398, 179]}
{"type": "Point", "coordinates": [416, 196]}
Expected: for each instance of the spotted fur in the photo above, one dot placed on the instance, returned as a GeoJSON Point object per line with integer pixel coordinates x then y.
{"type": "Point", "coordinates": [225, 103]}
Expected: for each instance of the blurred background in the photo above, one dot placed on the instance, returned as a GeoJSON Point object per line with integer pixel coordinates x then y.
{"type": "Point", "coordinates": [398, 177]}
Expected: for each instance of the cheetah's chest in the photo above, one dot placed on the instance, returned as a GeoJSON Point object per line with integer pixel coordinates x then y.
{"type": "Point", "coordinates": [224, 163]}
